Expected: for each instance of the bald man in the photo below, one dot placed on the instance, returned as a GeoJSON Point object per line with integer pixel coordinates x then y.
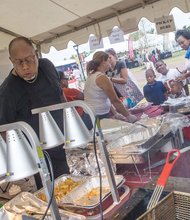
{"type": "Point", "coordinates": [32, 83]}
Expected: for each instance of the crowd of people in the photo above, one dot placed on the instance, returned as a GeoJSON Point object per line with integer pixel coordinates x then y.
{"type": "Point", "coordinates": [171, 82]}
{"type": "Point", "coordinates": [110, 90]}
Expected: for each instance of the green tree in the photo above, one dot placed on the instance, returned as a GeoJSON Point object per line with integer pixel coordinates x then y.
{"type": "Point", "coordinates": [135, 36]}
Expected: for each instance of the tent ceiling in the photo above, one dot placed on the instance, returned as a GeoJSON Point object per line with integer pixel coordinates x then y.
{"type": "Point", "coordinates": [55, 22]}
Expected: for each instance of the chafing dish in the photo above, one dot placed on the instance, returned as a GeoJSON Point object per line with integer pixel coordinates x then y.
{"type": "Point", "coordinates": [135, 145]}
{"type": "Point", "coordinates": [133, 142]}
{"type": "Point", "coordinates": [63, 185]}
{"type": "Point", "coordinates": [29, 205]}
{"type": "Point", "coordinates": [87, 195]}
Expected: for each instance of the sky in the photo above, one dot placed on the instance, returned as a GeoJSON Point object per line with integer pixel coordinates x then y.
{"type": "Point", "coordinates": [58, 56]}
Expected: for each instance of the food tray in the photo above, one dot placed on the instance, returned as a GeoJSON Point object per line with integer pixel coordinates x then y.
{"type": "Point", "coordinates": [175, 206]}
{"type": "Point", "coordinates": [185, 110]}
{"type": "Point", "coordinates": [87, 194]}
{"type": "Point", "coordinates": [153, 145]}
{"type": "Point", "coordinates": [139, 140]}
{"type": "Point", "coordinates": [113, 128]}
{"type": "Point", "coordinates": [28, 204]}
{"type": "Point", "coordinates": [78, 179]}
{"type": "Point", "coordinates": [144, 150]}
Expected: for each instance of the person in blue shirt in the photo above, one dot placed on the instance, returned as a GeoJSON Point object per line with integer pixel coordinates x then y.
{"type": "Point", "coordinates": [154, 91]}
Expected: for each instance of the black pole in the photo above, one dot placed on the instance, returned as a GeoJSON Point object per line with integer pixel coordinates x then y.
{"type": "Point", "coordinates": [78, 55]}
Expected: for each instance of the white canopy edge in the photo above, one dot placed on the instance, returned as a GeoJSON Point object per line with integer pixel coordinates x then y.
{"type": "Point", "coordinates": [155, 10]}
{"type": "Point", "coordinates": [56, 22]}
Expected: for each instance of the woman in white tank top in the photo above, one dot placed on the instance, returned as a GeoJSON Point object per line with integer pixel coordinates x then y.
{"type": "Point", "coordinates": [99, 93]}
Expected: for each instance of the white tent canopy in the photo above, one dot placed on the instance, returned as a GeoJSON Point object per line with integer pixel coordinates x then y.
{"type": "Point", "coordinates": [56, 22]}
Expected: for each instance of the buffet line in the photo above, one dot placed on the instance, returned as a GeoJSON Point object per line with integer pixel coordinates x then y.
{"type": "Point", "coordinates": [132, 149]}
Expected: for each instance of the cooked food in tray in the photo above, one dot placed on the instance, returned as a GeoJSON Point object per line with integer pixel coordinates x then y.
{"type": "Point", "coordinates": [63, 186]}
{"type": "Point", "coordinates": [88, 194]}
{"type": "Point", "coordinates": [92, 197]}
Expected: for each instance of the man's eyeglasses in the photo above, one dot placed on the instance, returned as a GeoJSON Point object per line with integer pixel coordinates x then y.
{"type": "Point", "coordinates": [28, 61]}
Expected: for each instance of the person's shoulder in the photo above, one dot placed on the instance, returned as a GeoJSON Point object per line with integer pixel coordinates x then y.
{"type": "Point", "coordinates": [174, 71]}
{"type": "Point", "coordinates": [145, 88]}
{"type": "Point", "coordinates": [46, 67]}
{"type": "Point", "coordinates": [44, 61]}
{"type": "Point", "coordinates": [101, 79]}
{"type": "Point", "coordinates": [158, 82]}
{"type": "Point", "coordinates": [121, 63]}
{"type": "Point", "coordinates": [187, 55]}
{"type": "Point", "coordinates": [98, 74]}
{"type": "Point", "coordinates": [161, 78]}
{"type": "Point", "coordinates": [11, 85]}
{"type": "Point", "coordinates": [146, 85]}
{"type": "Point", "coordinates": [9, 82]}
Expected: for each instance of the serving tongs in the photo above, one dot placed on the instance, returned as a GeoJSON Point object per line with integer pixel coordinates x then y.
{"type": "Point", "coordinates": [162, 180]}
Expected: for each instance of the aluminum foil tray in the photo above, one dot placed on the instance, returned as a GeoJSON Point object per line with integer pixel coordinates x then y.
{"type": "Point", "coordinates": [137, 141]}
{"type": "Point", "coordinates": [184, 110]}
{"type": "Point", "coordinates": [27, 204]}
{"type": "Point", "coordinates": [113, 128]}
{"type": "Point", "coordinates": [87, 195]}
{"type": "Point", "coordinates": [61, 189]}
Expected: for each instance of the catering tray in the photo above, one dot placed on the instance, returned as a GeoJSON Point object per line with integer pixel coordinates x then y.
{"type": "Point", "coordinates": [87, 195]}
{"type": "Point", "coordinates": [138, 146]}
{"type": "Point", "coordinates": [173, 105]}
{"type": "Point", "coordinates": [156, 143]}
{"type": "Point", "coordinates": [139, 140]}
{"type": "Point", "coordinates": [29, 205]}
{"type": "Point", "coordinates": [184, 110]}
{"type": "Point", "coordinates": [63, 185]}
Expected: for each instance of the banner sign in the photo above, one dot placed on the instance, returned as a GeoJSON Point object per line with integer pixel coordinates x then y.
{"type": "Point", "coordinates": [116, 35]}
{"type": "Point", "coordinates": [95, 43]}
{"type": "Point", "coordinates": [165, 24]}
{"type": "Point", "coordinates": [130, 47]}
